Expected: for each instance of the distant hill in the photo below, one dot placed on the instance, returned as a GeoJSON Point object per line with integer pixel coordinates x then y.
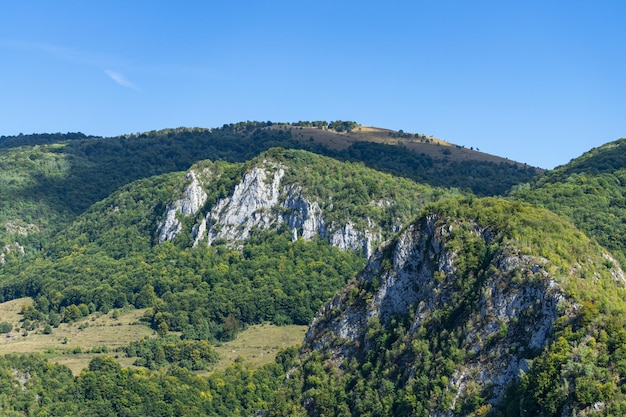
{"type": "Point", "coordinates": [416, 142]}
{"type": "Point", "coordinates": [590, 191]}
{"type": "Point", "coordinates": [417, 156]}
{"type": "Point", "coordinates": [47, 180]}
{"type": "Point", "coordinates": [39, 139]}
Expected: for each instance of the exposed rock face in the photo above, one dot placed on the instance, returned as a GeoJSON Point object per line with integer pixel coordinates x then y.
{"type": "Point", "coordinates": [303, 215]}
{"type": "Point", "coordinates": [348, 237]}
{"type": "Point", "coordinates": [11, 248]}
{"type": "Point", "coordinates": [17, 227]}
{"type": "Point", "coordinates": [511, 315]}
{"type": "Point", "coordinates": [261, 201]}
{"type": "Point", "coordinates": [193, 199]}
{"type": "Point", "coordinates": [251, 205]}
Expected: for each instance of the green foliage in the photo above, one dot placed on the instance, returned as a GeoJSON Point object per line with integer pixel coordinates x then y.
{"type": "Point", "coordinates": [482, 178]}
{"type": "Point", "coordinates": [203, 287]}
{"type": "Point", "coordinates": [5, 327]}
{"type": "Point", "coordinates": [589, 191]}
{"type": "Point", "coordinates": [343, 126]}
{"type": "Point", "coordinates": [109, 256]}
{"type": "Point", "coordinates": [576, 371]}
{"type": "Point", "coordinates": [337, 125]}
{"type": "Point", "coordinates": [34, 387]}
{"type": "Point", "coordinates": [191, 290]}
{"type": "Point", "coordinates": [402, 369]}
{"type": "Point", "coordinates": [351, 191]}
{"type": "Point", "coordinates": [28, 380]}
{"type": "Point", "coordinates": [40, 139]}
{"type": "Point", "coordinates": [155, 353]}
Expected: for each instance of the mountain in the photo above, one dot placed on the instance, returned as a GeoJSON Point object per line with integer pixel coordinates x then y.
{"type": "Point", "coordinates": [47, 180]}
{"type": "Point", "coordinates": [41, 139]}
{"type": "Point", "coordinates": [479, 307]}
{"type": "Point", "coordinates": [270, 239]}
{"type": "Point", "coordinates": [590, 192]}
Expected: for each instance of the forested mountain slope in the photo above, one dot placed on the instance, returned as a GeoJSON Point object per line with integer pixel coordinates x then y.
{"type": "Point", "coordinates": [480, 307]}
{"type": "Point", "coordinates": [47, 180]}
{"type": "Point", "coordinates": [221, 246]}
{"type": "Point", "coordinates": [590, 191]}
{"type": "Point", "coordinates": [474, 306]}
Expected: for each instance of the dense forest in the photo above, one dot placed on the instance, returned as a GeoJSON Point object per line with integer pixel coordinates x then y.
{"type": "Point", "coordinates": [399, 368]}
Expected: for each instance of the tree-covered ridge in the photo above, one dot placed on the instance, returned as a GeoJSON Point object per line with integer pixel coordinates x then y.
{"type": "Point", "coordinates": [482, 178]}
{"type": "Point", "coordinates": [30, 208]}
{"type": "Point", "coordinates": [206, 293]}
{"type": "Point", "coordinates": [75, 170]}
{"type": "Point", "coordinates": [603, 159]}
{"type": "Point", "coordinates": [590, 192]}
{"type": "Point", "coordinates": [40, 139]}
{"type": "Point", "coordinates": [581, 369]}
{"type": "Point", "coordinates": [537, 232]}
{"type": "Point", "coordinates": [406, 363]}
{"type": "Point", "coordinates": [345, 191]}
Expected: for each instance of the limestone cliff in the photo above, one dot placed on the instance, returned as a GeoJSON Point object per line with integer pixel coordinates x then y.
{"type": "Point", "coordinates": [263, 199]}
{"type": "Point", "coordinates": [191, 202]}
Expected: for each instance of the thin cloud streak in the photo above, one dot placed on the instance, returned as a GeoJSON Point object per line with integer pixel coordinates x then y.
{"type": "Point", "coordinates": [72, 55]}
{"type": "Point", "coordinates": [121, 80]}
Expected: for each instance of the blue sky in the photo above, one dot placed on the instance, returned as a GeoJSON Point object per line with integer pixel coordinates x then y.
{"type": "Point", "coordinates": [539, 82]}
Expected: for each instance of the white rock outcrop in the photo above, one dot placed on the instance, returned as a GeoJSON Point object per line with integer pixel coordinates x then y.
{"type": "Point", "coordinates": [11, 248]}
{"type": "Point", "coordinates": [193, 199]}
{"type": "Point", "coordinates": [303, 216]}
{"type": "Point", "coordinates": [250, 206]}
{"type": "Point", "coordinates": [261, 201]}
{"type": "Point", "coordinates": [348, 237]}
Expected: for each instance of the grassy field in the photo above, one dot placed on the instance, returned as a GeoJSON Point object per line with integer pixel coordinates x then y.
{"type": "Point", "coordinates": [259, 344]}
{"type": "Point", "coordinates": [434, 148]}
{"type": "Point", "coordinates": [64, 343]}
{"type": "Point", "coordinates": [343, 140]}
{"type": "Point", "coordinates": [73, 344]}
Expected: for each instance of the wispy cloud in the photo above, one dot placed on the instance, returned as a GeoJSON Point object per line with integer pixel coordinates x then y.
{"type": "Point", "coordinates": [74, 56]}
{"type": "Point", "coordinates": [121, 80]}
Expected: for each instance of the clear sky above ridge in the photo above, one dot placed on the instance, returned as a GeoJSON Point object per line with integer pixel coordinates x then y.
{"type": "Point", "coordinates": [539, 82]}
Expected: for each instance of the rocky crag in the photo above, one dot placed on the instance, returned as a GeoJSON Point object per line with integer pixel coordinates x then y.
{"type": "Point", "coordinates": [457, 302]}
{"type": "Point", "coordinates": [264, 198]}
